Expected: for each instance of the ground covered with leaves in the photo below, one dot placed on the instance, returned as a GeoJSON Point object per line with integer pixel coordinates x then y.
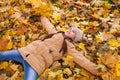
{"type": "Point", "coordinates": [99, 19]}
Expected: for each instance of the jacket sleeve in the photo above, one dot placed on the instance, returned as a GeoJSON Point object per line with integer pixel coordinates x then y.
{"type": "Point", "coordinates": [48, 25]}
{"type": "Point", "coordinates": [81, 60]}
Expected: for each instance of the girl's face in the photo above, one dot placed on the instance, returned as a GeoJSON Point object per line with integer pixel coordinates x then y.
{"type": "Point", "coordinates": [70, 33]}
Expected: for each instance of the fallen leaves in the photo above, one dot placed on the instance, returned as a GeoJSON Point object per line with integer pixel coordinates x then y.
{"type": "Point", "coordinates": [3, 9]}
{"type": "Point", "coordinates": [99, 20]}
{"type": "Point", "coordinates": [42, 7]}
{"type": "Point", "coordinates": [9, 45]}
{"type": "Point", "coordinates": [117, 68]}
{"type": "Point", "coordinates": [114, 43]}
{"type": "Point", "coordinates": [3, 65]}
{"type": "Point", "coordinates": [21, 30]}
{"type": "Point", "coordinates": [81, 46]}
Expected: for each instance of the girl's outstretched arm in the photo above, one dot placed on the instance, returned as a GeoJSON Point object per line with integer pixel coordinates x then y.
{"type": "Point", "coordinates": [48, 25]}
{"type": "Point", "coordinates": [81, 60]}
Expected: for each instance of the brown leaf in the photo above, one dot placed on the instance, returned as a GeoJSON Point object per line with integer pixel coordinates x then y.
{"type": "Point", "coordinates": [116, 1]}
{"type": "Point", "coordinates": [104, 24]}
{"type": "Point", "coordinates": [3, 44]}
{"type": "Point", "coordinates": [34, 28]}
{"type": "Point", "coordinates": [109, 59]}
{"type": "Point", "coordinates": [56, 66]}
{"type": "Point", "coordinates": [4, 77]}
{"type": "Point", "coordinates": [106, 36]}
{"type": "Point", "coordinates": [21, 30]}
{"type": "Point", "coordinates": [1, 17]}
{"type": "Point", "coordinates": [92, 30]}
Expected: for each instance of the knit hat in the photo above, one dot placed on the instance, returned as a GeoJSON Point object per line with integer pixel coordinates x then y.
{"type": "Point", "coordinates": [79, 34]}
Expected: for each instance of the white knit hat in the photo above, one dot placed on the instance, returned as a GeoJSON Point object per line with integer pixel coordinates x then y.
{"type": "Point", "coordinates": [79, 34]}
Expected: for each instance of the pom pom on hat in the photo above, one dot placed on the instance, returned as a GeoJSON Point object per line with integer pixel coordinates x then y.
{"type": "Point", "coordinates": [79, 34]}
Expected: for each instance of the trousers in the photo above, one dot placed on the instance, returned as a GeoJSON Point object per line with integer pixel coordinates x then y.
{"type": "Point", "coordinates": [29, 72]}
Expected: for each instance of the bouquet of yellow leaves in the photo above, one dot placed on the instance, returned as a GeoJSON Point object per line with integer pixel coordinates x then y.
{"type": "Point", "coordinates": [42, 7]}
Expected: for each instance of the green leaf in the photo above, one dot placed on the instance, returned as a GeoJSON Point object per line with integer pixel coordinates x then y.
{"type": "Point", "coordinates": [100, 51]}
{"type": "Point", "coordinates": [1, 33]}
{"type": "Point", "coordinates": [118, 8]}
{"type": "Point", "coordinates": [111, 1]}
{"type": "Point", "coordinates": [71, 8]}
{"type": "Point", "coordinates": [53, 1]}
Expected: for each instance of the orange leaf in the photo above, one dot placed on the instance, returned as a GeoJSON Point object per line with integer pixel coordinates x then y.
{"type": "Point", "coordinates": [3, 44]}
{"type": "Point", "coordinates": [21, 30]}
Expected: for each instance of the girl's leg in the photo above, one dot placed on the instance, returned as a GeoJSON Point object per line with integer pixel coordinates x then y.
{"type": "Point", "coordinates": [30, 73]}
{"type": "Point", "coordinates": [11, 55]}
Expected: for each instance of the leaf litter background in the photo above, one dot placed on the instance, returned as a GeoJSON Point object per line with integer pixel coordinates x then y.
{"type": "Point", "coordinates": [99, 19]}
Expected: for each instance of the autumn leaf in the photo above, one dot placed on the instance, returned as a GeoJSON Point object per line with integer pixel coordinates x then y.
{"type": "Point", "coordinates": [69, 60]}
{"type": "Point", "coordinates": [114, 43]}
{"type": "Point", "coordinates": [56, 66]}
{"type": "Point", "coordinates": [106, 36]}
{"type": "Point", "coordinates": [81, 46]}
{"type": "Point", "coordinates": [67, 71]}
{"type": "Point", "coordinates": [14, 67]}
{"type": "Point", "coordinates": [4, 65]}
{"type": "Point", "coordinates": [3, 77]}
{"type": "Point", "coordinates": [15, 75]}
{"type": "Point", "coordinates": [57, 16]}
{"type": "Point", "coordinates": [115, 11]}
{"type": "Point", "coordinates": [105, 13]}
{"type": "Point", "coordinates": [60, 77]}
{"type": "Point", "coordinates": [3, 9]}
{"type": "Point", "coordinates": [21, 30]}
{"type": "Point", "coordinates": [9, 45]}
{"type": "Point", "coordinates": [22, 40]}
{"type": "Point", "coordinates": [36, 3]}
{"type": "Point", "coordinates": [3, 44]}
{"type": "Point", "coordinates": [40, 7]}
{"type": "Point", "coordinates": [99, 19]}
{"type": "Point", "coordinates": [117, 68]}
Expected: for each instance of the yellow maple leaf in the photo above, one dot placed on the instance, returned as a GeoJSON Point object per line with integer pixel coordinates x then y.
{"type": "Point", "coordinates": [40, 7]}
{"type": "Point", "coordinates": [45, 72]}
{"type": "Point", "coordinates": [4, 65]}
{"type": "Point", "coordinates": [69, 60]}
{"type": "Point", "coordinates": [105, 13]}
{"type": "Point", "coordinates": [107, 5]}
{"type": "Point", "coordinates": [22, 40]}
{"type": "Point", "coordinates": [9, 45]}
{"type": "Point", "coordinates": [116, 53]}
{"type": "Point", "coordinates": [117, 68]}
{"type": "Point", "coordinates": [81, 46]}
{"type": "Point", "coordinates": [0, 77]}
{"type": "Point", "coordinates": [114, 43]}
{"type": "Point", "coordinates": [36, 3]}
{"type": "Point", "coordinates": [7, 33]}
{"type": "Point", "coordinates": [67, 71]}
{"type": "Point", "coordinates": [51, 75]}
{"type": "Point", "coordinates": [60, 77]}
{"type": "Point", "coordinates": [7, 21]}
{"type": "Point", "coordinates": [115, 11]}
{"type": "Point", "coordinates": [99, 61]}
{"type": "Point", "coordinates": [38, 79]}
{"type": "Point", "coordinates": [25, 21]}
{"type": "Point", "coordinates": [57, 16]}
{"type": "Point", "coordinates": [62, 28]}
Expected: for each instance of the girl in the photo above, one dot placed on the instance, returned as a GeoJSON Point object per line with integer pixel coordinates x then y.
{"type": "Point", "coordinates": [40, 54]}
